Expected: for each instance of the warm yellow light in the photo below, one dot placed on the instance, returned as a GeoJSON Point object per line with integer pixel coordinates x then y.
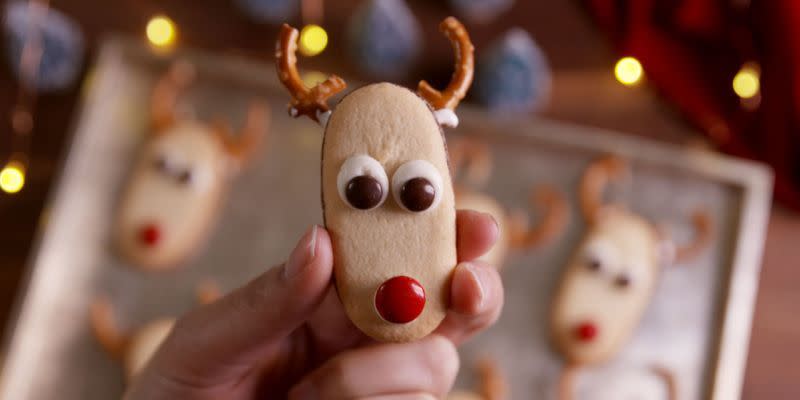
{"type": "Point", "coordinates": [313, 40]}
{"type": "Point", "coordinates": [314, 78]}
{"type": "Point", "coordinates": [628, 71]}
{"type": "Point", "coordinates": [746, 83]}
{"type": "Point", "coordinates": [161, 31]}
{"type": "Point", "coordinates": [12, 177]}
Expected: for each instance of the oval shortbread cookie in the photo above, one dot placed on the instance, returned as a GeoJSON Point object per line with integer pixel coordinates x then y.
{"type": "Point", "coordinates": [404, 234]}
{"type": "Point", "coordinates": [386, 190]}
{"type": "Point", "coordinates": [609, 282]}
{"type": "Point", "coordinates": [180, 178]}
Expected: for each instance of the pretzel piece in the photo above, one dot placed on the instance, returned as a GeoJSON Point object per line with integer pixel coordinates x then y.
{"type": "Point", "coordinates": [311, 102]}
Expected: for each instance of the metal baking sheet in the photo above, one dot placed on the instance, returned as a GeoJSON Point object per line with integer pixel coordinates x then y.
{"type": "Point", "coordinates": [698, 324]}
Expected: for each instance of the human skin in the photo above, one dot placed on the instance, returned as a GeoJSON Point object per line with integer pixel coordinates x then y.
{"type": "Point", "coordinates": [285, 334]}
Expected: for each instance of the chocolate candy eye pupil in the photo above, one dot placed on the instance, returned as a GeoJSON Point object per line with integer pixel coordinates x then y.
{"type": "Point", "coordinates": [594, 265]}
{"type": "Point", "coordinates": [622, 281]}
{"type": "Point", "coordinates": [185, 177]}
{"type": "Point", "coordinates": [417, 194]}
{"type": "Point", "coordinates": [364, 192]}
{"type": "Point", "coordinates": [161, 164]}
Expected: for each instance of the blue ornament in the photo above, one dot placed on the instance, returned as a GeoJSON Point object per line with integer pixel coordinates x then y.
{"type": "Point", "coordinates": [513, 74]}
{"type": "Point", "coordinates": [62, 44]}
{"type": "Point", "coordinates": [481, 11]}
{"type": "Point", "coordinates": [384, 37]}
{"type": "Point", "coordinates": [269, 11]}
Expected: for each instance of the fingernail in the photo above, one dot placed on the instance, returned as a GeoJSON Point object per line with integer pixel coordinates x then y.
{"type": "Point", "coordinates": [472, 269]}
{"type": "Point", "coordinates": [302, 254]}
{"type": "Point", "coordinates": [304, 391]}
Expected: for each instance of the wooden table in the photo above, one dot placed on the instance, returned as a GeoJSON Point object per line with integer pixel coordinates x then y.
{"type": "Point", "coordinates": [584, 92]}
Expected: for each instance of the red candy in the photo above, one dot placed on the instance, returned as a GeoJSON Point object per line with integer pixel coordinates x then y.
{"type": "Point", "coordinates": [586, 332]}
{"type": "Point", "coordinates": [150, 235]}
{"type": "Point", "coordinates": [400, 300]}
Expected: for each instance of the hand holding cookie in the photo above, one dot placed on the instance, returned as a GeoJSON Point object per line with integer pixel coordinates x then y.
{"type": "Point", "coordinates": [286, 333]}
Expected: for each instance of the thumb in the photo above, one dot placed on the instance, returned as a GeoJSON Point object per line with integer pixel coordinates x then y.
{"type": "Point", "coordinates": [242, 328]}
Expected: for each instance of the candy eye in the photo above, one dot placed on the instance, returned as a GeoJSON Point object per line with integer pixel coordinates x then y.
{"type": "Point", "coordinates": [162, 164]}
{"type": "Point", "coordinates": [594, 264]}
{"type": "Point", "coordinates": [417, 186]}
{"type": "Point", "coordinates": [622, 281]}
{"type": "Point", "coordinates": [362, 182]}
{"type": "Point", "coordinates": [185, 177]}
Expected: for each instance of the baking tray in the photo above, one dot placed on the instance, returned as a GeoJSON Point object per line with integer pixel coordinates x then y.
{"type": "Point", "coordinates": [698, 324]}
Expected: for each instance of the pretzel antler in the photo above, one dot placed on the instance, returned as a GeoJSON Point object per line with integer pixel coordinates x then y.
{"type": "Point", "coordinates": [593, 182]}
{"type": "Point", "coordinates": [493, 383]}
{"type": "Point", "coordinates": [104, 327]}
{"type": "Point", "coordinates": [207, 292]}
{"type": "Point", "coordinates": [464, 70]}
{"type": "Point", "coordinates": [310, 102]}
{"type": "Point", "coordinates": [702, 223]}
{"type": "Point", "coordinates": [166, 92]}
{"type": "Point", "coordinates": [554, 218]}
{"type": "Point", "coordinates": [473, 157]}
{"type": "Point", "coordinates": [242, 146]}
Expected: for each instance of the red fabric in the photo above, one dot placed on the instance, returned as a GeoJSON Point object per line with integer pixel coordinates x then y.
{"type": "Point", "coordinates": [692, 49]}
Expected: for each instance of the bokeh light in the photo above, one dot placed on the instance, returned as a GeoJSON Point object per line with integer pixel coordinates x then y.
{"type": "Point", "coordinates": [313, 40]}
{"type": "Point", "coordinates": [313, 78]}
{"type": "Point", "coordinates": [628, 71]}
{"type": "Point", "coordinates": [747, 81]}
{"type": "Point", "coordinates": [161, 31]}
{"type": "Point", "coordinates": [12, 177]}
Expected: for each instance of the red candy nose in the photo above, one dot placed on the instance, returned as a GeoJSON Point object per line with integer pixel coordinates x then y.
{"type": "Point", "coordinates": [400, 300]}
{"type": "Point", "coordinates": [586, 332]}
{"type": "Point", "coordinates": [149, 235]}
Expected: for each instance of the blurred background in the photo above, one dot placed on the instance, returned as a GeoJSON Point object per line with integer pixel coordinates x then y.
{"type": "Point", "coordinates": [712, 74]}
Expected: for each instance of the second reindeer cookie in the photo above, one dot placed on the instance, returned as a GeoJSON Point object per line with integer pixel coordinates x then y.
{"type": "Point", "coordinates": [387, 195]}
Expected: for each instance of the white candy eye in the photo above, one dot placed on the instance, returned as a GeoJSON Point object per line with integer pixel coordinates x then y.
{"type": "Point", "coordinates": [362, 182]}
{"type": "Point", "coordinates": [417, 186]}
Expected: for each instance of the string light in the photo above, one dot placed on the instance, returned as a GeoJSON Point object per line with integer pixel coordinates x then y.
{"type": "Point", "coordinates": [313, 40]}
{"type": "Point", "coordinates": [161, 31]}
{"type": "Point", "coordinates": [12, 177]}
{"type": "Point", "coordinates": [628, 71]}
{"type": "Point", "coordinates": [313, 78]}
{"type": "Point", "coordinates": [747, 81]}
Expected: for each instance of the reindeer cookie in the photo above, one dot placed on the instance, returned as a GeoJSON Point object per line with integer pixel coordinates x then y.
{"type": "Point", "coordinates": [386, 191]}
{"type": "Point", "coordinates": [135, 350]}
{"type": "Point", "coordinates": [474, 157]}
{"type": "Point", "coordinates": [180, 178]}
{"type": "Point", "coordinates": [609, 282]}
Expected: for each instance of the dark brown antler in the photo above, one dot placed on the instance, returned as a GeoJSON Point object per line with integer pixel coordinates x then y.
{"type": "Point", "coordinates": [464, 70]}
{"type": "Point", "coordinates": [594, 180]}
{"type": "Point", "coordinates": [305, 101]}
{"type": "Point", "coordinates": [166, 92]}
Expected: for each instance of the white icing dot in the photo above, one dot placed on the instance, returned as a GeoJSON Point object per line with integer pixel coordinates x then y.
{"type": "Point", "coordinates": [446, 117]}
{"type": "Point", "coordinates": [323, 117]}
